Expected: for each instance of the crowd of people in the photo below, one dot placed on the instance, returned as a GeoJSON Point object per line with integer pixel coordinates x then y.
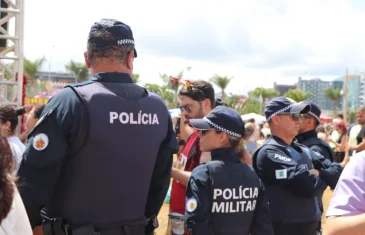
{"type": "Point", "coordinates": [99, 159]}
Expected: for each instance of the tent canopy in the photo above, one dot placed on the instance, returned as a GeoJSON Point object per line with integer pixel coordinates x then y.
{"type": "Point", "coordinates": [258, 118]}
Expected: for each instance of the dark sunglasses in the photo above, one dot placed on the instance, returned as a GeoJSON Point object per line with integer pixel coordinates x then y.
{"type": "Point", "coordinates": [295, 116]}
{"type": "Point", "coordinates": [188, 108]}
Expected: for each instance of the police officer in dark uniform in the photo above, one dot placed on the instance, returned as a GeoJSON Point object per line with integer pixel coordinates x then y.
{"type": "Point", "coordinates": [225, 196]}
{"type": "Point", "coordinates": [99, 160]}
{"type": "Point", "coordinates": [322, 159]}
{"type": "Point", "coordinates": [308, 135]}
{"type": "Point", "coordinates": [286, 169]}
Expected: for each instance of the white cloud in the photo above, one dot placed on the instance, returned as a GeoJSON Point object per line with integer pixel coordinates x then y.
{"type": "Point", "coordinates": [256, 41]}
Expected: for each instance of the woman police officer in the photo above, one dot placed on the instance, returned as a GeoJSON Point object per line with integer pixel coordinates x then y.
{"type": "Point", "coordinates": [225, 196]}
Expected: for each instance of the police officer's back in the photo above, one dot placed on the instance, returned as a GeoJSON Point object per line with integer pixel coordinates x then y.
{"type": "Point", "coordinates": [100, 157]}
{"type": "Point", "coordinates": [225, 196]}
{"type": "Point", "coordinates": [286, 170]}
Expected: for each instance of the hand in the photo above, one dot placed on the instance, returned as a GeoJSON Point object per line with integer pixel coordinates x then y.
{"type": "Point", "coordinates": [350, 148]}
{"type": "Point", "coordinates": [314, 172]}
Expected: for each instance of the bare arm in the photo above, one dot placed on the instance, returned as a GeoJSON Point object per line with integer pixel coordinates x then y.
{"type": "Point", "coordinates": [344, 225]}
{"type": "Point", "coordinates": [360, 146]}
{"type": "Point", "coordinates": [181, 176]}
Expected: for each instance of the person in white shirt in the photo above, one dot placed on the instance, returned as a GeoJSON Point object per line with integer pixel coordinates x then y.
{"type": "Point", "coordinates": [9, 122]}
{"type": "Point", "coordinates": [13, 217]}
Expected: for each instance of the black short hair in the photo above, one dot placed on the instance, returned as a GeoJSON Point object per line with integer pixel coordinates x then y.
{"type": "Point", "coordinates": [220, 102]}
{"type": "Point", "coordinates": [340, 115]}
{"type": "Point", "coordinates": [38, 109]}
{"type": "Point", "coordinates": [113, 52]}
{"type": "Point", "coordinates": [200, 90]}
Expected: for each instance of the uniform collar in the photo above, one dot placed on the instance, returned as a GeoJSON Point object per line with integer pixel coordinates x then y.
{"type": "Point", "coordinates": [113, 77]}
{"type": "Point", "coordinates": [306, 135]}
{"type": "Point", "coordinates": [281, 142]}
{"type": "Point", "coordinates": [225, 154]}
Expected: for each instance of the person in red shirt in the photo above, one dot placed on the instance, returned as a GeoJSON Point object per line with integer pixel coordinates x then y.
{"type": "Point", "coordinates": [197, 100]}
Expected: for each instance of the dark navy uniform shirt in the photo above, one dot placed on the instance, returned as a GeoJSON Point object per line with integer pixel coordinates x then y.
{"type": "Point", "coordinates": [329, 171]}
{"type": "Point", "coordinates": [66, 115]}
{"type": "Point", "coordinates": [225, 196]}
{"type": "Point", "coordinates": [271, 159]}
{"type": "Point", "coordinates": [325, 152]}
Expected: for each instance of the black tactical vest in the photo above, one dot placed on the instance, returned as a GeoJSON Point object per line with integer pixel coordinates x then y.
{"type": "Point", "coordinates": [235, 189]}
{"type": "Point", "coordinates": [106, 182]}
{"type": "Point", "coordinates": [316, 141]}
{"type": "Point", "coordinates": [285, 206]}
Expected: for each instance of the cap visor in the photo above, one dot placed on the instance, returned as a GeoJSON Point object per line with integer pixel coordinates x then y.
{"type": "Point", "coordinates": [200, 124]}
{"type": "Point", "coordinates": [300, 108]}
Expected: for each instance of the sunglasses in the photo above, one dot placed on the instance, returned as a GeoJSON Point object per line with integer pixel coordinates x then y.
{"type": "Point", "coordinates": [295, 116]}
{"type": "Point", "coordinates": [188, 108]}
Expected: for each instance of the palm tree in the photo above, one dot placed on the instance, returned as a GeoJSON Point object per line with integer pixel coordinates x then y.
{"type": "Point", "coordinates": [162, 91]}
{"type": "Point", "coordinates": [334, 95]}
{"type": "Point", "coordinates": [263, 94]}
{"type": "Point", "coordinates": [221, 82]}
{"type": "Point", "coordinates": [135, 78]}
{"type": "Point", "coordinates": [232, 100]}
{"type": "Point", "coordinates": [153, 87]}
{"type": "Point", "coordinates": [79, 70]}
{"type": "Point", "coordinates": [32, 68]}
{"type": "Point", "coordinates": [298, 95]}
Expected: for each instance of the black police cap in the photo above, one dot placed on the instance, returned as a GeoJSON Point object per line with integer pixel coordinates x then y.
{"type": "Point", "coordinates": [223, 119]}
{"type": "Point", "coordinates": [121, 32]}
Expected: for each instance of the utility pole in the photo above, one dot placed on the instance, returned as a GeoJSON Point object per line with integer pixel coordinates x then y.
{"type": "Point", "coordinates": [345, 90]}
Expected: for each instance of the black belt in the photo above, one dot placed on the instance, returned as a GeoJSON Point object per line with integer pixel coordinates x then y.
{"type": "Point", "coordinates": [125, 230]}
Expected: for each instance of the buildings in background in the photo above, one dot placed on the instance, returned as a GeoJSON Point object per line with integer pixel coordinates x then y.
{"type": "Point", "coordinates": [316, 86]}
{"type": "Point", "coordinates": [283, 88]}
{"type": "Point", "coordinates": [56, 77]}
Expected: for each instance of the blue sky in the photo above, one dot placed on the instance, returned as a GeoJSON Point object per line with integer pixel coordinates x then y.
{"type": "Point", "coordinates": [255, 41]}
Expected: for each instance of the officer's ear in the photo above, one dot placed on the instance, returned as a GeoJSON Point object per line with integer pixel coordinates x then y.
{"type": "Point", "coordinates": [275, 120]}
{"type": "Point", "coordinates": [129, 60]}
{"type": "Point", "coordinates": [223, 139]}
{"type": "Point", "coordinates": [87, 62]}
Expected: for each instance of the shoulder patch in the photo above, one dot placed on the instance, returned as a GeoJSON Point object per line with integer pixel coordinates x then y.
{"type": "Point", "coordinates": [40, 141]}
{"type": "Point", "coordinates": [191, 205]}
{"type": "Point", "coordinates": [281, 174]}
{"type": "Point", "coordinates": [282, 158]}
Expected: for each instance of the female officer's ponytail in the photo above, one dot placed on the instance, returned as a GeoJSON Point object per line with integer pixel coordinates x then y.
{"type": "Point", "coordinates": [10, 114]}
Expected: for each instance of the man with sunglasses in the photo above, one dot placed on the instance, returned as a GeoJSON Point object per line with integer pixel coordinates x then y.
{"type": "Point", "coordinates": [197, 100]}
{"type": "Point", "coordinates": [84, 169]}
{"type": "Point", "coordinates": [324, 153]}
{"type": "Point", "coordinates": [286, 169]}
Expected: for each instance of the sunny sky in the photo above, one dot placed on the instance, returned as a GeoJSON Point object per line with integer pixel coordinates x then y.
{"type": "Point", "coordinates": [255, 41]}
